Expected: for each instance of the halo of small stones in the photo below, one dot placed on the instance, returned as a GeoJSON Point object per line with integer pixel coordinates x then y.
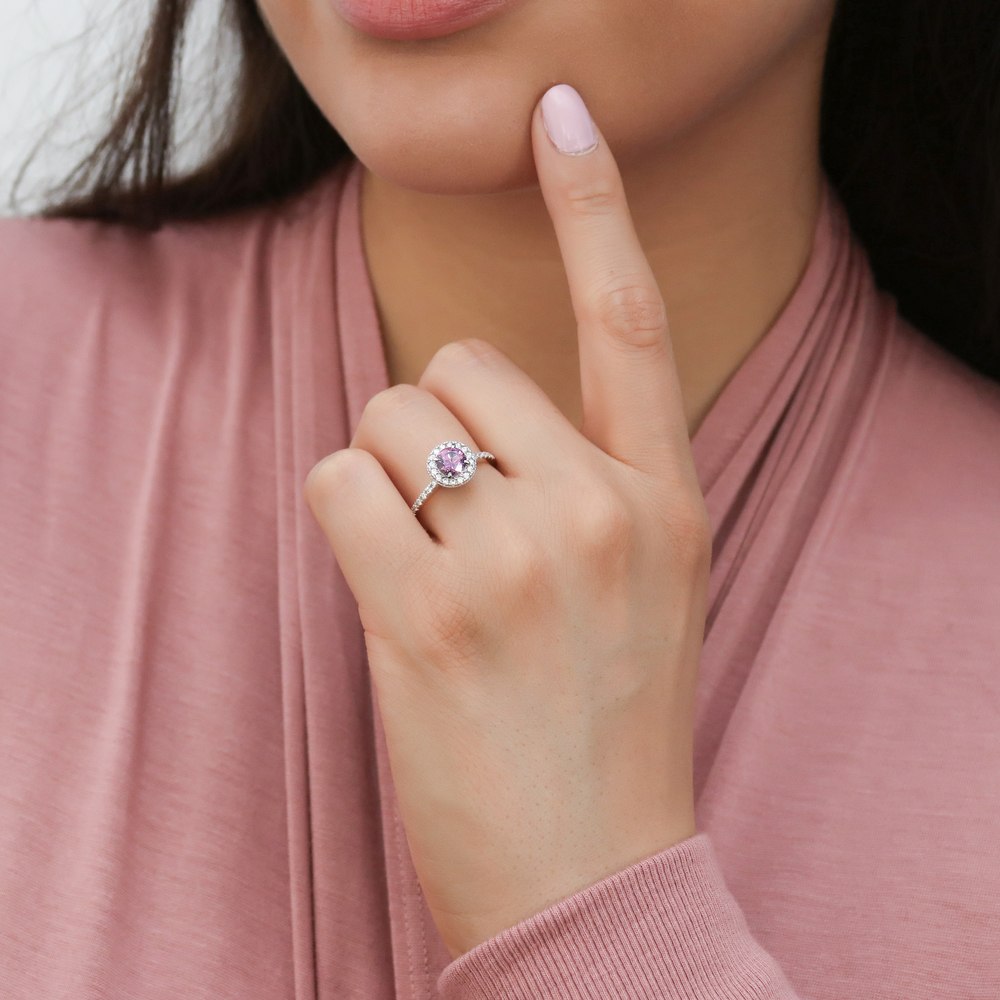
{"type": "Point", "coordinates": [447, 479]}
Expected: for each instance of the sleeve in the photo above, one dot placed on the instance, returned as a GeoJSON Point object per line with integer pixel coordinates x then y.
{"type": "Point", "coordinates": [665, 927]}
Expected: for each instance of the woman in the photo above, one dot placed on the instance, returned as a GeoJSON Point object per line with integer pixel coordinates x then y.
{"type": "Point", "coordinates": [682, 684]}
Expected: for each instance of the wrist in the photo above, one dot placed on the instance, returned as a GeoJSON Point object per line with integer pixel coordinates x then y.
{"type": "Point", "coordinates": [462, 932]}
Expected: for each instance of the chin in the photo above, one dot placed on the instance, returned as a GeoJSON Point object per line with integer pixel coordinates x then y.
{"type": "Point", "coordinates": [450, 154]}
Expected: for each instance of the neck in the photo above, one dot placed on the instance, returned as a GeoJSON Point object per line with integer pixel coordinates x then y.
{"type": "Point", "coordinates": [725, 212]}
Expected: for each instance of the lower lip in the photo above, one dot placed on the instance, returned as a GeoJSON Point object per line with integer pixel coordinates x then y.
{"type": "Point", "coordinates": [410, 19]}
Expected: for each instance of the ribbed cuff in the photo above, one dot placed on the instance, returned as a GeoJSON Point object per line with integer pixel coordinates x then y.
{"type": "Point", "coordinates": [666, 927]}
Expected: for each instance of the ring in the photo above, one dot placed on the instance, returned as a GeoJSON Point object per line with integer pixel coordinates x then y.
{"type": "Point", "coordinates": [450, 463]}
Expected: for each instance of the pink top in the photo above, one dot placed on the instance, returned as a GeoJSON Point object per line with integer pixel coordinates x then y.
{"type": "Point", "coordinates": [194, 799]}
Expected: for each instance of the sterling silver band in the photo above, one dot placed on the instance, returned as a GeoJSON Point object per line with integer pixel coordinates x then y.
{"type": "Point", "coordinates": [450, 464]}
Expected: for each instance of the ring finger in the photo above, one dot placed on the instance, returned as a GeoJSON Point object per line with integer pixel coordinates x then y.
{"type": "Point", "coordinates": [399, 426]}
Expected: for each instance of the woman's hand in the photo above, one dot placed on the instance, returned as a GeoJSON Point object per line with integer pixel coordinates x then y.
{"type": "Point", "coordinates": [534, 634]}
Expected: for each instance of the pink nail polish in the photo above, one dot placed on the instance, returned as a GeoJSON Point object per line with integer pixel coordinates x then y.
{"type": "Point", "coordinates": [567, 120]}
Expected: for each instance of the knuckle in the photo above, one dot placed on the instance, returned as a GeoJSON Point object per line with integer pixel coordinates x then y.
{"type": "Point", "coordinates": [690, 532]}
{"type": "Point", "coordinates": [469, 349]}
{"type": "Point", "coordinates": [331, 473]}
{"type": "Point", "coordinates": [594, 196]}
{"type": "Point", "coordinates": [633, 313]}
{"type": "Point", "coordinates": [522, 566]}
{"type": "Point", "coordinates": [448, 626]}
{"type": "Point", "coordinates": [456, 354]}
{"type": "Point", "coordinates": [603, 522]}
{"type": "Point", "coordinates": [391, 400]}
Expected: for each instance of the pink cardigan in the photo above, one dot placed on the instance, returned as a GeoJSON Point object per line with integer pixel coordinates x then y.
{"type": "Point", "coordinates": [194, 799]}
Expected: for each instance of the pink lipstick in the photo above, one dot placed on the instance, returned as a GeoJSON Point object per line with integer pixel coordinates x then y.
{"type": "Point", "coordinates": [412, 19]}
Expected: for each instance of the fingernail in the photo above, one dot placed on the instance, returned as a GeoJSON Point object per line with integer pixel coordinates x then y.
{"type": "Point", "coordinates": [567, 120]}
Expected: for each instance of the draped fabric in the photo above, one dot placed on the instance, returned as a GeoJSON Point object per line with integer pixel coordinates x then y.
{"type": "Point", "coordinates": [195, 798]}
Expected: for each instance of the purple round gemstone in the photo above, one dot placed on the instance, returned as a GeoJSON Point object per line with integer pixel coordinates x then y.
{"type": "Point", "coordinates": [451, 461]}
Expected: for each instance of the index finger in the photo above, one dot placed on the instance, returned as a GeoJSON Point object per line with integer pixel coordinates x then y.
{"type": "Point", "coordinates": [631, 398]}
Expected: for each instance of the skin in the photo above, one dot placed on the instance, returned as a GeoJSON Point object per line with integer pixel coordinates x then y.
{"type": "Point", "coordinates": [536, 680]}
{"type": "Point", "coordinates": [711, 108]}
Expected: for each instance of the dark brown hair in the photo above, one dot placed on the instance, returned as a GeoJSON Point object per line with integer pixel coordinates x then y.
{"type": "Point", "coordinates": [910, 127]}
